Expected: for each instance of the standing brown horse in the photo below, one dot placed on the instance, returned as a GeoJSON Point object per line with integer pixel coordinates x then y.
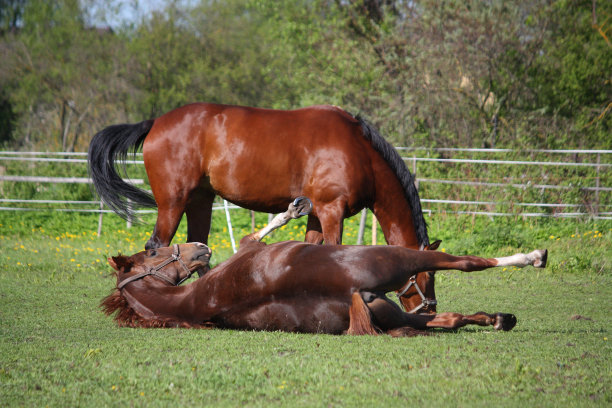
{"type": "Point", "coordinates": [260, 159]}
{"type": "Point", "coordinates": [290, 286]}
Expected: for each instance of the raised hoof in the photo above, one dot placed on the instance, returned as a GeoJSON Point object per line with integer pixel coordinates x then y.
{"type": "Point", "coordinates": [504, 321]}
{"type": "Point", "coordinates": [302, 206]}
{"type": "Point", "coordinates": [541, 263]}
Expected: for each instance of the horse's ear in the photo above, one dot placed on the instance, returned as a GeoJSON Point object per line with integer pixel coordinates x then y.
{"type": "Point", "coordinates": [120, 263]}
{"type": "Point", "coordinates": [433, 246]}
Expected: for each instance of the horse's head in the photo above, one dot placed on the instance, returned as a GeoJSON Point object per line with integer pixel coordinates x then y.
{"type": "Point", "coordinates": [173, 264]}
{"type": "Point", "coordinates": [419, 294]}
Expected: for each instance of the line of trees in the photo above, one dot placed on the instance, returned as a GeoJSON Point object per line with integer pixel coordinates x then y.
{"type": "Point", "coordinates": [459, 73]}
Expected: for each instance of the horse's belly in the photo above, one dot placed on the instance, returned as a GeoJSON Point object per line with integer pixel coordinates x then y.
{"type": "Point", "coordinates": [269, 183]}
{"type": "Point", "coordinates": [300, 315]}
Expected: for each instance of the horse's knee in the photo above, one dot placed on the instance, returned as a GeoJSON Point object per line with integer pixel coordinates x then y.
{"type": "Point", "coordinates": [153, 243]}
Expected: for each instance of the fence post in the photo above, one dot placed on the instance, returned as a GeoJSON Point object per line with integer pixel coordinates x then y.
{"type": "Point", "coordinates": [374, 229]}
{"type": "Point", "coordinates": [229, 225]}
{"type": "Point", "coordinates": [597, 186]}
{"type": "Point", "coordinates": [100, 218]}
{"type": "Point", "coordinates": [128, 222]}
{"type": "Point", "coordinates": [414, 172]}
{"type": "Point", "coordinates": [362, 223]}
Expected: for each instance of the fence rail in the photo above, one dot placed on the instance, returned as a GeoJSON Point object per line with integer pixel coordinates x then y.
{"type": "Point", "coordinates": [598, 183]}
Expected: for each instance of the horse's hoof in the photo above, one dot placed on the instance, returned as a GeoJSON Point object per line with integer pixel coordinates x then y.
{"type": "Point", "coordinates": [541, 263]}
{"type": "Point", "coordinates": [303, 205]}
{"type": "Point", "coordinates": [504, 321]}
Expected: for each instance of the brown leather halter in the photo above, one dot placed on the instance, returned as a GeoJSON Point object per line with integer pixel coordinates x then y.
{"type": "Point", "coordinates": [154, 271]}
{"type": "Point", "coordinates": [424, 301]}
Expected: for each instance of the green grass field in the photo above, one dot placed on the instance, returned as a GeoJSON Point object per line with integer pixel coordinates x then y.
{"type": "Point", "coordinates": [58, 349]}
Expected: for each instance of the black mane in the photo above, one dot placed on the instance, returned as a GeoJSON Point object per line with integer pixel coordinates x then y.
{"type": "Point", "coordinates": [406, 179]}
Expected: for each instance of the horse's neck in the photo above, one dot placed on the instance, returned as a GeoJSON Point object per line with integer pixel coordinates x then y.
{"type": "Point", "coordinates": [393, 210]}
{"type": "Point", "coordinates": [154, 300]}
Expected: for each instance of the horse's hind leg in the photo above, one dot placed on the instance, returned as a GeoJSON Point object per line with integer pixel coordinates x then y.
{"type": "Point", "coordinates": [360, 320]}
{"type": "Point", "coordinates": [170, 209]}
{"type": "Point", "coordinates": [199, 215]}
{"type": "Point", "coordinates": [499, 321]}
{"type": "Point", "coordinates": [168, 219]}
{"type": "Point", "coordinates": [390, 318]}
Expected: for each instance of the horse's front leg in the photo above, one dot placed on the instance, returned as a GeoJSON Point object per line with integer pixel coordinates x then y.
{"type": "Point", "coordinates": [314, 232]}
{"type": "Point", "coordinates": [297, 208]}
{"type": "Point", "coordinates": [331, 217]}
{"type": "Point", "coordinates": [428, 260]}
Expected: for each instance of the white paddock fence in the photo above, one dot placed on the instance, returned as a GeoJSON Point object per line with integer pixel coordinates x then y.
{"type": "Point", "coordinates": [533, 183]}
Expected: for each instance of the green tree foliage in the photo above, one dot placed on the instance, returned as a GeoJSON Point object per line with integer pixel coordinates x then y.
{"type": "Point", "coordinates": [61, 71]}
{"type": "Point", "coordinates": [11, 11]}
{"type": "Point", "coordinates": [571, 79]}
{"type": "Point", "coordinates": [452, 73]}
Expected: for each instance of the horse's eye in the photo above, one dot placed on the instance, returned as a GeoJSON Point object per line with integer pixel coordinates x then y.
{"type": "Point", "coordinates": [152, 252]}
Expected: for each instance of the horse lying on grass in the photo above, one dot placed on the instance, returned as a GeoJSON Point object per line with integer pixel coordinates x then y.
{"type": "Point", "coordinates": [290, 286]}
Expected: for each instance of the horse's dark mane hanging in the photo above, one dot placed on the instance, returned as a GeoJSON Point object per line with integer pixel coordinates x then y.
{"type": "Point", "coordinates": [406, 179]}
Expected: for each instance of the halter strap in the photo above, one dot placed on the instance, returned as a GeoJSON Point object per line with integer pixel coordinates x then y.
{"type": "Point", "coordinates": [424, 301]}
{"type": "Point", "coordinates": [154, 271]}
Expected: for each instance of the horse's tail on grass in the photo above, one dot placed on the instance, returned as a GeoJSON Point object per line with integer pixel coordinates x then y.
{"type": "Point", "coordinates": [360, 319]}
{"type": "Point", "coordinates": [112, 145]}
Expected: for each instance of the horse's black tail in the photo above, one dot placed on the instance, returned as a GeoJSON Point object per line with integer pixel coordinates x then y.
{"type": "Point", "coordinates": [394, 160]}
{"type": "Point", "coordinates": [113, 145]}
